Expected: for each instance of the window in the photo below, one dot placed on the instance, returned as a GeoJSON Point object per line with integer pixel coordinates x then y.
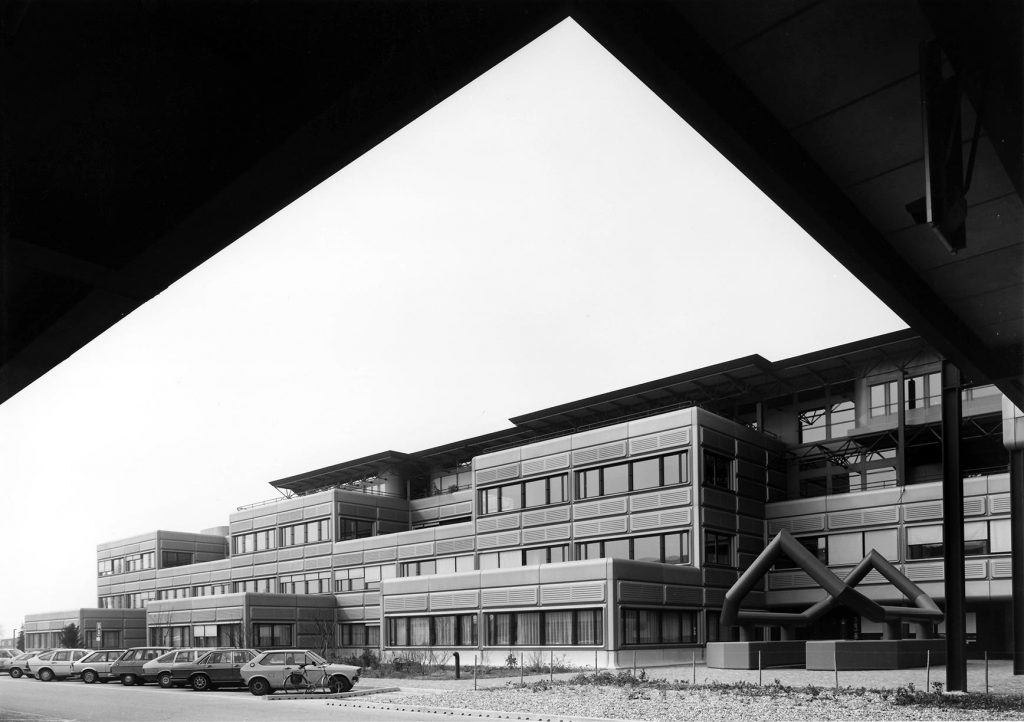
{"type": "Point", "coordinates": [422, 568]}
{"type": "Point", "coordinates": [256, 541]}
{"type": "Point", "coordinates": [113, 601]}
{"type": "Point", "coordinates": [138, 600]}
{"type": "Point", "coordinates": [658, 626]}
{"type": "Point", "coordinates": [523, 557]}
{"type": "Point", "coordinates": [924, 542]}
{"type": "Point", "coordinates": [525, 494]}
{"type": "Point", "coordinates": [209, 590]}
{"type": "Point", "coordinates": [271, 635]}
{"type": "Point", "coordinates": [170, 637]}
{"type": "Point", "coordinates": [139, 562]}
{"type": "Point", "coordinates": [176, 593]}
{"type": "Point", "coordinates": [884, 398]}
{"type": "Point", "coordinates": [980, 537]}
{"type": "Point", "coordinates": [718, 549]}
{"type": "Point", "coordinates": [718, 470]}
{"type": "Point", "coordinates": [812, 425]}
{"type": "Point", "coordinates": [673, 548]}
{"type": "Point", "coordinates": [307, 533]}
{"type": "Point", "coordinates": [359, 635]}
{"type": "Point", "coordinates": [109, 567]}
{"type": "Point", "coordinates": [175, 559]}
{"type": "Point", "coordinates": [455, 630]}
{"type": "Point", "coordinates": [826, 422]}
{"type": "Point", "coordinates": [265, 586]}
{"type": "Point", "coordinates": [352, 528]}
{"type": "Point", "coordinates": [921, 392]}
{"type": "Point", "coordinates": [309, 583]}
{"type": "Point", "coordinates": [633, 476]}
{"type": "Point", "coordinates": [570, 627]}
{"type": "Point", "coordinates": [360, 578]}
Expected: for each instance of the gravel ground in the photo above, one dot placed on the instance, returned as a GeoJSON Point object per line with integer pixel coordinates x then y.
{"type": "Point", "coordinates": [704, 704]}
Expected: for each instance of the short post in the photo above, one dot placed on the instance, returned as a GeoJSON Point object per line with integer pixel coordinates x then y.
{"type": "Point", "coordinates": [759, 680]}
{"type": "Point", "coordinates": [986, 673]}
{"type": "Point", "coordinates": [928, 674]}
{"type": "Point", "coordinates": [835, 665]}
{"type": "Point", "coordinates": [634, 663]}
{"type": "Point", "coordinates": [474, 672]}
{"type": "Point", "coordinates": [551, 666]}
{"type": "Point", "coordinates": [520, 669]}
{"type": "Point", "coordinates": [458, 668]}
{"type": "Point", "coordinates": [693, 664]}
{"type": "Point", "coordinates": [595, 661]}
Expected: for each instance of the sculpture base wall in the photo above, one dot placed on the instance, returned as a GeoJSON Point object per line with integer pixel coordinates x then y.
{"type": "Point", "coordinates": [743, 655]}
{"type": "Point", "coordinates": [874, 653]}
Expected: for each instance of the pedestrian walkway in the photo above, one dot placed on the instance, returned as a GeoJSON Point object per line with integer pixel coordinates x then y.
{"type": "Point", "coordinates": [1001, 679]}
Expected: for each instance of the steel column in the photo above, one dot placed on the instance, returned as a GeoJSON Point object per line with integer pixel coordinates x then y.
{"type": "Point", "coordinates": [1017, 546]}
{"type": "Point", "coordinates": [953, 531]}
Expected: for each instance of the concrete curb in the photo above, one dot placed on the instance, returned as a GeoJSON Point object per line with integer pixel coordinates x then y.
{"type": "Point", "coordinates": [331, 695]}
{"type": "Point", "coordinates": [475, 713]}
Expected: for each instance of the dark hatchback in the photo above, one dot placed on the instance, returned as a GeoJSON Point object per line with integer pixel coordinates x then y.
{"type": "Point", "coordinates": [218, 668]}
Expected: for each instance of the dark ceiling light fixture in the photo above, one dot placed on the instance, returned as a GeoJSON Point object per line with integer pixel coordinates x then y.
{"type": "Point", "coordinates": [944, 205]}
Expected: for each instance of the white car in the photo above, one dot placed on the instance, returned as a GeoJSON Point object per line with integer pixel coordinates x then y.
{"type": "Point", "coordinates": [53, 665]}
{"type": "Point", "coordinates": [162, 668]}
{"type": "Point", "coordinates": [269, 671]}
{"type": "Point", "coordinates": [95, 667]}
{"type": "Point", "coordinates": [6, 655]}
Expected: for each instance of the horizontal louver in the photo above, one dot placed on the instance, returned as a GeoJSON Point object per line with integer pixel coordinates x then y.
{"type": "Point", "coordinates": [416, 550]}
{"type": "Point", "coordinates": [640, 592]}
{"type": "Point", "coordinates": [345, 560]}
{"type": "Point", "coordinates": [599, 526]}
{"type": "Point", "coordinates": [465, 599]}
{"type": "Point", "coordinates": [885, 515]}
{"type": "Point", "coordinates": [599, 453]}
{"type": "Point", "coordinates": [917, 512]}
{"type": "Point", "coordinates": [659, 499]}
{"type": "Point", "coordinates": [556, 462]}
{"type": "Point", "coordinates": [1002, 568]}
{"type": "Point", "coordinates": [545, 533]}
{"type": "Point", "coordinates": [1000, 504]}
{"type": "Point", "coordinates": [545, 516]}
{"type": "Point", "coordinates": [501, 539]}
{"type": "Point", "coordinates": [588, 509]}
{"type": "Point", "coordinates": [976, 570]}
{"type": "Point", "coordinates": [924, 572]}
{"type": "Point", "coordinates": [533, 466]}
{"type": "Point", "coordinates": [379, 555]}
{"type": "Point", "coordinates": [498, 473]}
{"type": "Point", "coordinates": [463, 508]}
{"type": "Point", "coordinates": [572, 593]}
{"type": "Point", "coordinates": [789, 580]}
{"type": "Point", "coordinates": [405, 603]}
{"type": "Point", "coordinates": [509, 596]}
{"type": "Point", "coordinates": [496, 523]}
{"type": "Point", "coordinates": [975, 506]}
{"type": "Point", "coordinates": [660, 519]}
{"type": "Point", "coordinates": [676, 595]}
{"type": "Point", "coordinates": [451, 546]}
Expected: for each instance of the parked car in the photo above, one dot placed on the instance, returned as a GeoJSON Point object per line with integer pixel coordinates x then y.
{"type": "Point", "coordinates": [128, 667]}
{"type": "Point", "coordinates": [95, 667]}
{"type": "Point", "coordinates": [49, 666]}
{"type": "Point", "coordinates": [216, 668]}
{"type": "Point", "coordinates": [269, 670]}
{"type": "Point", "coordinates": [16, 668]}
{"type": "Point", "coordinates": [160, 669]}
{"type": "Point", "coordinates": [6, 655]}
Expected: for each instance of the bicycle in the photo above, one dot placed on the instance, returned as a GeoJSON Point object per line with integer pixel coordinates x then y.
{"type": "Point", "coordinates": [299, 682]}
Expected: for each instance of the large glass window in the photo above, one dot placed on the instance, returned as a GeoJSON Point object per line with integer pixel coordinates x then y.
{"type": "Point", "coordinates": [524, 494]}
{"type": "Point", "coordinates": [265, 585]}
{"type": "Point", "coordinates": [309, 532]}
{"type": "Point", "coordinates": [537, 629]}
{"type": "Point", "coordinates": [455, 630]}
{"type": "Point", "coordinates": [718, 470]}
{"type": "Point", "coordinates": [109, 567]}
{"type": "Point", "coordinates": [826, 422]}
{"type": "Point", "coordinates": [718, 549]}
{"type": "Point", "coordinates": [522, 557]}
{"type": "Point", "coordinates": [633, 476]}
{"type": "Point", "coordinates": [255, 541]}
{"type": "Point", "coordinates": [175, 559]}
{"type": "Point", "coordinates": [266, 636]}
{"type": "Point", "coordinates": [924, 542]}
{"type": "Point", "coordinates": [139, 562]}
{"type": "Point", "coordinates": [884, 398]}
{"type": "Point", "coordinates": [672, 548]}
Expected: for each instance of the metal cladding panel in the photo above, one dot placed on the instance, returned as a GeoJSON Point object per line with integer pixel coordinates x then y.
{"type": "Point", "coordinates": [508, 596]}
{"type": "Point", "coordinates": [719, 442]}
{"type": "Point", "coordinates": [546, 448]}
{"type": "Point", "coordinates": [497, 473]}
{"type": "Point", "coordinates": [221, 575]}
{"type": "Point", "coordinates": [601, 507]}
{"type": "Point", "coordinates": [572, 593]}
{"type": "Point", "coordinates": [641, 593]}
{"type": "Point", "coordinates": [286, 517]}
{"type": "Point", "coordinates": [348, 559]}
{"type": "Point", "coordinates": [241, 526]}
{"type": "Point", "coordinates": [1001, 568]}
{"type": "Point", "coordinates": [204, 615]}
{"type": "Point", "coordinates": [350, 599]}
{"type": "Point", "coordinates": [320, 510]}
{"type": "Point", "coordinates": [454, 546]}
{"type": "Point", "coordinates": [661, 422]}
{"type": "Point", "coordinates": [596, 454]}
{"type": "Point", "coordinates": [372, 599]}
{"type": "Point", "coordinates": [317, 563]}
{"type": "Point", "coordinates": [464, 599]}
{"type": "Point", "coordinates": [546, 464]}
{"type": "Point", "coordinates": [264, 521]}
{"type": "Point", "coordinates": [494, 523]}
{"type": "Point", "coordinates": [416, 550]}
{"type": "Point", "coordinates": [497, 458]}
{"type": "Point", "coordinates": [714, 597]}
{"type": "Point", "coordinates": [927, 510]}
{"type": "Point", "coordinates": [351, 614]}
{"type": "Point", "coordinates": [976, 569]}
{"type": "Point", "coordinates": [599, 526]}
{"type": "Point", "coordinates": [290, 567]}
{"type": "Point", "coordinates": [659, 519]}
{"type": "Point", "coordinates": [719, 499]}
{"type": "Point", "coordinates": [684, 596]}
{"type": "Point", "coordinates": [259, 613]}
{"type": "Point", "coordinates": [1000, 504]}
{"type": "Point", "coordinates": [797, 525]}
{"type": "Point", "coordinates": [405, 603]}
{"type": "Point", "coordinates": [536, 535]}
{"type": "Point", "coordinates": [462, 508]}
{"type": "Point", "coordinates": [548, 515]}
{"type": "Point", "coordinates": [501, 539]}
{"type": "Point", "coordinates": [317, 550]}
{"type": "Point", "coordinates": [719, 519]}
{"type": "Point", "coordinates": [289, 553]}
{"type": "Point", "coordinates": [975, 506]}
{"type": "Point", "coordinates": [676, 496]}
{"type": "Point", "coordinates": [371, 556]}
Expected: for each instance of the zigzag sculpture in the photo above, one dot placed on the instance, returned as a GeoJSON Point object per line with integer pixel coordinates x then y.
{"type": "Point", "coordinates": [838, 591]}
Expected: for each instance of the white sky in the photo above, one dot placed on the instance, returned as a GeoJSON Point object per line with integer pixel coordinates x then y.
{"type": "Point", "coordinates": [550, 232]}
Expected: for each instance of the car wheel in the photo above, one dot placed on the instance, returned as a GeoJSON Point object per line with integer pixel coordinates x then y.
{"type": "Point", "coordinates": [128, 680]}
{"type": "Point", "coordinates": [201, 683]}
{"type": "Point", "coordinates": [15, 672]}
{"type": "Point", "coordinates": [89, 676]}
{"type": "Point", "coordinates": [340, 684]}
{"type": "Point", "coordinates": [45, 675]}
{"type": "Point", "coordinates": [164, 680]}
{"type": "Point", "coordinates": [259, 686]}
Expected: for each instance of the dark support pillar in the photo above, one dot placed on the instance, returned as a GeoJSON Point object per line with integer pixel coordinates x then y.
{"type": "Point", "coordinates": [953, 531]}
{"type": "Point", "coordinates": [1017, 546]}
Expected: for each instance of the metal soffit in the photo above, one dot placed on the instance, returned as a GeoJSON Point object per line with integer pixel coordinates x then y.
{"type": "Point", "coordinates": [167, 130]}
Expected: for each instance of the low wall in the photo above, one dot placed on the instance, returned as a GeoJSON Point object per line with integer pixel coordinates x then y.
{"type": "Point", "coordinates": [744, 655]}
{"type": "Point", "coordinates": [874, 653]}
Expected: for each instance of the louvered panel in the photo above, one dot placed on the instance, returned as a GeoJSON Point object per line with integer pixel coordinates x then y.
{"type": "Point", "coordinates": [463, 508]}
{"type": "Point", "coordinates": [659, 519]}
{"type": "Point", "coordinates": [1001, 568]}
{"type": "Point", "coordinates": [589, 509]}
{"type": "Point", "coordinates": [659, 499]}
{"type": "Point", "coordinates": [533, 466]}
{"type": "Point", "coordinates": [1000, 504]}
{"type": "Point", "coordinates": [714, 597]}
{"type": "Point", "coordinates": [371, 599]}
{"type": "Point", "coordinates": [611, 451]}
{"type": "Point", "coordinates": [379, 555]}
{"type": "Point", "coordinates": [405, 603]}
{"type": "Point", "coordinates": [677, 596]}
{"type": "Point", "coordinates": [928, 510]}
{"type": "Point", "coordinates": [884, 515]}
{"type": "Point", "coordinates": [556, 462]}
{"type": "Point", "coordinates": [507, 596]}
{"type": "Point", "coordinates": [873, 577]}
{"type": "Point", "coordinates": [643, 444]}
{"type": "Point", "coordinates": [841, 520]}
{"type": "Point", "coordinates": [534, 536]}
{"type": "Point", "coordinates": [584, 456]}
{"type": "Point", "coordinates": [346, 560]}
{"type": "Point", "coordinates": [789, 580]}
{"type": "Point", "coordinates": [416, 550]}
{"type": "Point", "coordinates": [463, 599]}
{"type": "Point", "coordinates": [677, 437]}
{"type": "Point", "coordinates": [495, 523]}
{"type": "Point", "coordinates": [545, 516]}
{"type": "Point", "coordinates": [497, 473]}
{"type": "Point", "coordinates": [486, 476]}
{"type": "Point", "coordinates": [500, 539]}
{"type": "Point", "coordinates": [556, 594]}
{"type": "Point", "coordinates": [556, 532]}
{"type": "Point", "coordinates": [641, 592]}
{"type": "Point", "coordinates": [976, 570]}
{"type": "Point", "coordinates": [586, 528]}
{"type": "Point", "coordinates": [798, 525]}
{"type": "Point", "coordinates": [452, 546]}
{"type": "Point", "coordinates": [924, 572]}
{"type": "Point", "coordinates": [590, 592]}
{"type": "Point", "coordinates": [975, 506]}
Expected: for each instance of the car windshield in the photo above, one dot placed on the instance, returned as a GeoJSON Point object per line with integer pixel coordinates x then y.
{"type": "Point", "coordinates": [315, 658]}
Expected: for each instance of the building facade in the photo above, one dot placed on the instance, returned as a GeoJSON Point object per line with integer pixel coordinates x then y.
{"type": "Point", "coordinates": [605, 529]}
